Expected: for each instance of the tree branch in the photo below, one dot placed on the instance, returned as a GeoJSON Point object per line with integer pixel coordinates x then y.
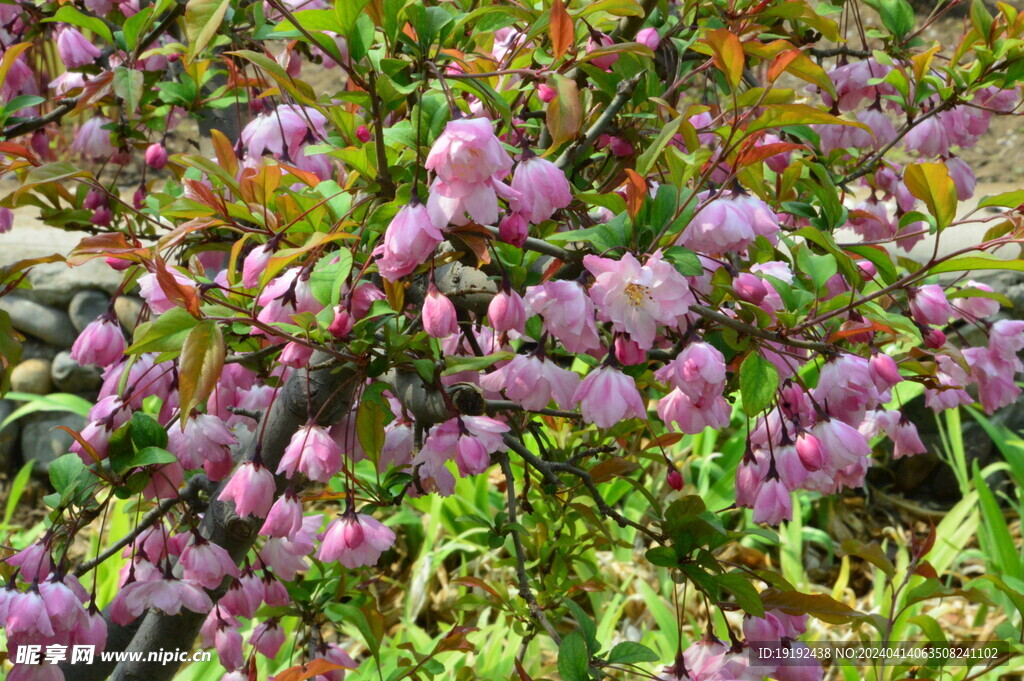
{"type": "Point", "coordinates": [750, 330]}
{"type": "Point", "coordinates": [622, 95]}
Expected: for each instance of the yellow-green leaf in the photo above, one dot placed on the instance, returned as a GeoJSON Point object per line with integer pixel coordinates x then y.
{"type": "Point", "coordinates": [202, 358]}
{"type": "Point", "coordinates": [931, 183]}
{"type": "Point", "coordinates": [727, 51]}
{"type": "Point", "coordinates": [781, 115]}
{"type": "Point", "coordinates": [565, 112]}
{"type": "Point", "coordinates": [202, 19]}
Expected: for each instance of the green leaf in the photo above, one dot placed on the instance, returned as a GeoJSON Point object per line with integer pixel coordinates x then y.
{"type": "Point", "coordinates": [202, 358]}
{"type": "Point", "coordinates": [897, 16]}
{"type": "Point", "coordinates": [202, 20]}
{"type": "Point", "coordinates": [146, 432]}
{"type": "Point", "coordinates": [361, 39]}
{"type": "Point", "coordinates": [454, 364]}
{"type": "Point", "coordinates": [781, 115]}
{"type": "Point", "coordinates": [17, 487]}
{"type": "Point", "coordinates": [69, 15]}
{"type": "Point", "coordinates": [565, 111]}
{"type": "Point", "coordinates": [649, 157]}
{"type": "Point", "coordinates": [128, 86]}
{"type": "Point", "coordinates": [371, 415]}
{"type": "Point", "coordinates": [825, 608]}
{"type": "Point", "coordinates": [65, 472]}
{"type": "Point", "coordinates": [328, 278]}
{"type": "Point", "coordinates": [51, 402]}
{"type": "Point", "coordinates": [968, 263]}
{"type": "Point", "coordinates": [872, 553]}
{"type": "Point", "coordinates": [743, 591]}
{"type": "Point", "coordinates": [759, 379]}
{"type": "Point", "coordinates": [1004, 200]}
{"type": "Point", "coordinates": [573, 658]}
{"type": "Point", "coordinates": [587, 626]}
{"type": "Point", "coordinates": [931, 183]}
{"type": "Point", "coordinates": [662, 556]}
{"type": "Point", "coordinates": [149, 456]}
{"type": "Point", "coordinates": [134, 25]}
{"type": "Point", "coordinates": [166, 333]}
{"type": "Point", "coordinates": [630, 652]}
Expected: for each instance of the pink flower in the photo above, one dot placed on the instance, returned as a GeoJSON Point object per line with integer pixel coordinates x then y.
{"type": "Point", "coordinates": [902, 432]}
{"type": "Point", "coordinates": [342, 324]}
{"type": "Point", "coordinates": [203, 441]}
{"type": "Point", "coordinates": [285, 517]}
{"type": "Point", "coordinates": [26, 615]}
{"type": "Point", "coordinates": [507, 312]}
{"type": "Point", "coordinates": [629, 352]}
{"type": "Point", "coordinates": [92, 140]}
{"type": "Point", "coordinates": [870, 219]}
{"type": "Point", "coordinates": [721, 226]}
{"type": "Point", "coordinates": [546, 93]}
{"type": "Point", "coordinates": [283, 131]}
{"type": "Point", "coordinates": [166, 595]}
{"type": "Point", "coordinates": [568, 314]}
{"type": "Point", "coordinates": [207, 563]}
{"type": "Point", "coordinates": [409, 240]}
{"type": "Point", "coordinates": [450, 202]}
{"type": "Point", "coordinates": [514, 229]}
{"type": "Point", "coordinates": [603, 40]}
{"type": "Point", "coordinates": [255, 263]}
{"type": "Point", "coordinates": [355, 541]}
{"type": "Point", "coordinates": [638, 298]}
{"type": "Point", "coordinates": [846, 388]}
{"type": "Point", "coordinates": [649, 37]}
{"type": "Point", "coordinates": [962, 176]}
{"type": "Point", "coordinates": [608, 396]}
{"type": "Point", "coordinates": [711, 411]}
{"type": "Point", "coordinates": [928, 305]}
{"type": "Point", "coordinates": [100, 343]}
{"type": "Point", "coordinates": [951, 379]}
{"type": "Point", "coordinates": [467, 152]}
{"type": "Point", "coordinates": [363, 134]}
{"type": "Point", "coordinates": [929, 137]}
{"type": "Point", "coordinates": [698, 371]}
{"type": "Point", "coordinates": [251, 489]}
{"type": "Point", "coordinates": [267, 638]}
{"type": "Point", "coordinates": [531, 382]}
{"type": "Point", "coordinates": [34, 562]}
{"type": "Point", "coordinates": [884, 371]}
{"type": "Point", "coordinates": [542, 187]}
{"type": "Point", "coordinates": [156, 156]}
{"type": "Point", "coordinates": [851, 83]}
{"type": "Point", "coordinates": [73, 48]}
{"type": "Point", "coordinates": [439, 317]}
{"type": "Point", "coordinates": [773, 503]}
{"type": "Point", "coordinates": [469, 440]}
{"type": "Point", "coordinates": [153, 293]}
{"type": "Point", "coordinates": [974, 307]}
{"type": "Point", "coordinates": [6, 220]}
{"type": "Point", "coordinates": [221, 630]}
{"type": "Point", "coordinates": [313, 452]}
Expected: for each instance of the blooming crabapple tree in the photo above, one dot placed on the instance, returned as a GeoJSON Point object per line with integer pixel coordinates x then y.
{"type": "Point", "coordinates": [546, 243]}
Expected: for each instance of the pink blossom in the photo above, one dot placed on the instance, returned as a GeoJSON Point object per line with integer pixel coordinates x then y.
{"type": "Point", "coordinates": [450, 202]}
{"type": "Point", "coordinates": [602, 40]}
{"type": "Point", "coordinates": [153, 293]}
{"type": "Point", "coordinates": [721, 226]}
{"type": "Point", "coordinates": [514, 229]}
{"type": "Point", "coordinates": [691, 416]}
{"type": "Point", "coordinates": [698, 371]}
{"type": "Point", "coordinates": [156, 156]}
{"type": "Point", "coordinates": [749, 288]}
{"type": "Point", "coordinates": [439, 317]}
{"type": "Point", "coordinates": [638, 298]}
{"type": "Point", "coordinates": [546, 93]}
{"type": "Point", "coordinates": [355, 540]}
{"type": "Point", "coordinates": [929, 137]}
{"type": "Point", "coordinates": [251, 488]}
{"type": "Point", "coordinates": [507, 312]}
{"type": "Point", "coordinates": [951, 379]}
{"type": "Point", "coordinates": [204, 440]}
{"type": "Point", "coordinates": [74, 49]}
{"type": "Point", "coordinates": [6, 220]}
{"type": "Point", "coordinates": [851, 83]}
{"type": "Point", "coordinates": [532, 382]}
{"type": "Point", "coordinates": [846, 388]}
{"type": "Point", "coordinates": [409, 240]}
{"type": "Point", "coordinates": [649, 37]}
{"type": "Point", "coordinates": [884, 371]}
{"type": "Point", "coordinates": [398, 446]}
{"type": "Point", "coordinates": [313, 453]}
{"type": "Point", "coordinates": [167, 595]}
{"type": "Point", "coordinates": [26, 615]}
{"type": "Point", "coordinates": [972, 307]}
{"type": "Point", "coordinates": [870, 219]}
{"type": "Point", "coordinates": [33, 562]}
{"type": "Point", "coordinates": [467, 152]}
{"type": "Point", "coordinates": [93, 140]}
{"type": "Point", "coordinates": [900, 430]}
{"type": "Point", "coordinates": [928, 305]}
{"type": "Point", "coordinates": [608, 396]}
{"type": "Point", "coordinates": [962, 176]}
{"type": "Point", "coordinates": [283, 131]}
{"type": "Point", "coordinates": [342, 324]}
{"type": "Point", "coordinates": [674, 480]}
{"type": "Point", "coordinates": [100, 343]}
{"type": "Point", "coordinates": [207, 563]}
{"type": "Point", "coordinates": [629, 352]}
{"type": "Point", "coordinates": [221, 630]}
{"type": "Point", "coordinates": [255, 263]}
{"type": "Point", "coordinates": [568, 313]}
{"type": "Point", "coordinates": [284, 518]}
{"type": "Point", "coordinates": [542, 188]}
{"type": "Point", "coordinates": [363, 134]}
{"type": "Point", "coordinates": [773, 503]}
{"type": "Point", "coordinates": [267, 638]}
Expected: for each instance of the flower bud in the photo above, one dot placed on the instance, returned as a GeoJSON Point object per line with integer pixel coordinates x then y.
{"type": "Point", "coordinates": [884, 372]}
{"type": "Point", "coordinates": [649, 37]}
{"type": "Point", "coordinates": [156, 156]}
{"type": "Point", "coordinates": [6, 220]}
{"type": "Point", "coordinates": [342, 325]}
{"type": "Point", "coordinates": [94, 199]}
{"type": "Point", "coordinates": [439, 320]}
{"type": "Point", "coordinates": [102, 217]}
{"type": "Point", "coordinates": [934, 339]}
{"type": "Point", "coordinates": [749, 288]}
{"type": "Point", "coordinates": [507, 312]}
{"type": "Point", "coordinates": [808, 448]}
{"type": "Point", "coordinates": [675, 480]}
{"type": "Point", "coordinates": [546, 93]}
{"type": "Point", "coordinates": [354, 535]}
{"type": "Point", "coordinates": [628, 351]}
{"type": "Point", "coordinates": [363, 134]}
{"type": "Point", "coordinates": [513, 229]}
{"type": "Point", "coordinates": [139, 198]}
{"type": "Point", "coordinates": [604, 61]}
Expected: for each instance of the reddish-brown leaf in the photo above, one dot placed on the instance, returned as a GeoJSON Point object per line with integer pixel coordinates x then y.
{"type": "Point", "coordinates": [612, 467]}
{"type": "Point", "coordinates": [636, 190]}
{"type": "Point", "coordinates": [781, 62]}
{"type": "Point", "coordinates": [225, 151]}
{"type": "Point", "coordinates": [561, 29]}
{"type": "Point", "coordinates": [456, 640]}
{"type": "Point", "coordinates": [181, 295]}
{"type": "Point", "coordinates": [727, 52]}
{"type": "Point", "coordinates": [301, 672]}
{"type": "Point", "coordinates": [479, 584]}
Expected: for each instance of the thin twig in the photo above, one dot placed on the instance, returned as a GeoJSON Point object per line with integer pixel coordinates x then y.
{"type": "Point", "coordinates": [622, 95]}
{"type": "Point", "coordinates": [541, 246]}
{"type": "Point", "coordinates": [508, 405]}
{"type": "Point", "coordinates": [750, 330]}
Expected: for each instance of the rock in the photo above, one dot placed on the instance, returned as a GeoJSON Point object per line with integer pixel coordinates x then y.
{"type": "Point", "coordinates": [8, 436]}
{"type": "Point", "coordinates": [45, 323]}
{"type": "Point", "coordinates": [33, 349]}
{"type": "Point", "coordinates": [32, 376]}
{"type": "Point", "coordinates": [56, 283]}
{"type": "Point", "coordinates": [86, 306]}
{"type": "Point", "coordinates": [128, 309]}
{"type": "Point", "coordinates": [69, 377]}
{"type": "Point", "coordinates": [42, 441]}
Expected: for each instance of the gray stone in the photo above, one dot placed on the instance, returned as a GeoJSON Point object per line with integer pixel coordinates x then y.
{"type": "Point", "coordinates": [45, 323]}
{"type": "Point", "coordinates": [86, 306]}
{"type": "Point", "coordinates": [128, 309]}
{"type": "Point", "coordinates": [33, 349]}
{"type": "Point", "coordinates": [69, 377]}
{"type": "Point", "coordinates": [56, 283]}
{"type": "Point", "coordinates": [32, 376]}
{"type": "Point", "coordinates": [8, 436]}
{"type": "Point", "coordinates": [41, 439]}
